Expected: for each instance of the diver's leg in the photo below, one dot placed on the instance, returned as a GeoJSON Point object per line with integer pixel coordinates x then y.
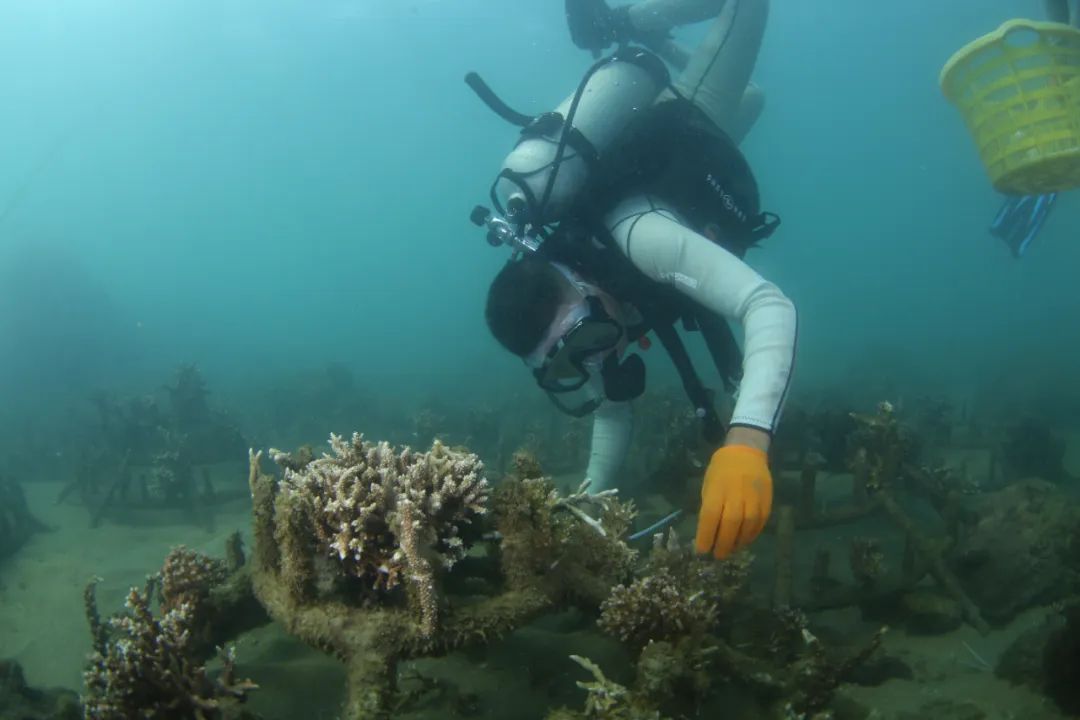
{"type": "Point", "coordinates": [663, 15]}
{"type": "Point", "coordinates": [750, 108]}
{"type": "Point", "coordinates": [594, 25]}
{"type": "Point", "coordinates": [673, 53]}
{"type": "Point", "coordinates": [718, 73]}
{"type": "Point", "coordinates": [658, 17]}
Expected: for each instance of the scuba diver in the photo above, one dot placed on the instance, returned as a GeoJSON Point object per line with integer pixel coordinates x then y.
{"type": "Point", "coordinates": [628, 211]}
{"type": "Point", "coordinates": [1021, 217]}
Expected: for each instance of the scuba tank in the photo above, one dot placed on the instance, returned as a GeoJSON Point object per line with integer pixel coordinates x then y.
{"type": "Point", "coordinates": [543, 176]}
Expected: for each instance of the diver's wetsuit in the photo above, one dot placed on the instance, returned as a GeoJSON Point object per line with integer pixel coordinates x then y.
{"type": "Point", "coordinates": [651, 234]}
{"type": "Point", "coordinates": [716, 76]}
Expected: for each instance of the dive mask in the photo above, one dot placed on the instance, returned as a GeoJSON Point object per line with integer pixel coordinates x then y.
{"type": "Point", "coordinates": [586, 350]}
{"type": "Point", "coordinates": [566, 366]}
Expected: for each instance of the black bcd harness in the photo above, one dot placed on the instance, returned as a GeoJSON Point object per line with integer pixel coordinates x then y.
{"type": "Point", "coordinates": [588, 250]}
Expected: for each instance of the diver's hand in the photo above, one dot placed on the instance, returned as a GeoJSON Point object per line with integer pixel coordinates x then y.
{"type": "Point", "coordinates": [736, 497]}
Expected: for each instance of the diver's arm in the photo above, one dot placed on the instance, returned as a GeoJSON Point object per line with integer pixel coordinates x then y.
{"type": "Point", "coordinates": [668, 251]}
{"type": "Point", "coordinates": [612, 425]}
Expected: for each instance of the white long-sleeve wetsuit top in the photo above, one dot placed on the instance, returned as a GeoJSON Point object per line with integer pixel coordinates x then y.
{"type": "Point", "coordinates": [651, 235]}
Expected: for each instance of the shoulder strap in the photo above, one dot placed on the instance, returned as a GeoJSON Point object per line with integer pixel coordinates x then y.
{"type": "Point", "coordinates": [695, 390]}
{"type": "Point", "coordinates": [587, 247]}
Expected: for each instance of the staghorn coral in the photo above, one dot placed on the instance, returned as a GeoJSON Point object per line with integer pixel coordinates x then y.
{"type": "Point", "coordinates": [582, 557]}
{"type": "Point", "coordinates": [665, 672]}
{"type": "Point", "coordinates": [722, 581]}
{"type": "Point", "coordinates": [606, 699]}
{"type": "Point", "coordinates": [295, 461]}
{"type": "Point", "coordinates": [676, 676]}
{"type": "Point", "coordinates": [187, 577]}
{"type": "Point", "coordinates": [216, 596]}
{"type": "Point", "coordinates": [655, 608]}
{"type": "Point", "coordinates": [604, 696]}
{"type": "Point", "coordinates": [692, 623]}
{"type": "Point", "coordinates": [670, 614]}
{"type": "Point", "coordinates": [380, 513]}
{"type": "Point", "coordinates": [524, 510]}
{"type": "Point", "coordinates": [366, 501]}
{"type": "Point", "coordinates": [371, 634]}
{"type": "Point", "coordinates": [548, 549]}
{"type": "Point", "coordinates": [143, 666]}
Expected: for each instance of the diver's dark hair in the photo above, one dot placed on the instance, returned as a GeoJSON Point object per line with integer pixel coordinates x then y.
{"type": "Point", "coordinates": [522, 302]}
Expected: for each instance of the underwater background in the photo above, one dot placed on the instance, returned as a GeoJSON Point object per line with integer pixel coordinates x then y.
{"type": "Point", "coordinates": [277, 192]}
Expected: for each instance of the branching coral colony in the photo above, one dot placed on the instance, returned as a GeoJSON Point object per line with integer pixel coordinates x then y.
{"type": "Point", "coordinates": [353, 551]}
{"type": "Point", "coordinates": [358, 553]}
{"type": "Point", "coordinates": [151, 666]}
{"type": "Point", "coordinates": [376, 555]}
{"type": "Point", "coordinates": [686, 617]}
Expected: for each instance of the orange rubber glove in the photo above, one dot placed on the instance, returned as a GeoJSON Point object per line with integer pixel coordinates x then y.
{"type": "Point", "coordinates": [736, 499]}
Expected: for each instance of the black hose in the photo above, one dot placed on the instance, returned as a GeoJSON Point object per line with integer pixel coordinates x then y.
{"type": "Point", "coordinates": [568, 125]}
{"type": "Point", "coordinates": [485, 93]}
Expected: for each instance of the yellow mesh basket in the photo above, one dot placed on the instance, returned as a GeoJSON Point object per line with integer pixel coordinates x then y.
{"type": "Point", "coordinates": [1018, 89]}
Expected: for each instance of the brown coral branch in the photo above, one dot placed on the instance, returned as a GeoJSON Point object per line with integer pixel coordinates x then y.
{"type": "Point", "coordinates": [144, 667]}
{"type": "Point", "coordinates": [419, 573]}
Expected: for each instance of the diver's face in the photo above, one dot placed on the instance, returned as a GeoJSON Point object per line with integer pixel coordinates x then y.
{"type": "Point", "coordinates": [574, 307]}
{"type": "Point", "coordinates": [579, 353]}
{"type": "Point", "coordinates": [573, 317]}
{"type": "Point", "coordinates": [567, 316]}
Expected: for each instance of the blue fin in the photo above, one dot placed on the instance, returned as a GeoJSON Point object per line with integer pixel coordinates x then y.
{"type": "Point", "coordinates": [1019, 220]}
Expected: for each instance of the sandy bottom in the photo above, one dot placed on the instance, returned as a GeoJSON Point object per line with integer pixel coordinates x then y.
{"type": "Point", "coordinates": [42, 625]}
{"type": "Point", "coordinates": [42, 619]}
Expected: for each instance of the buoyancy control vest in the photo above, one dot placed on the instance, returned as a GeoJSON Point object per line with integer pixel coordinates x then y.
{"type": "Point", "coordinates": [607, 141]}
{"type": "Point", "coordinates": [676, 153]}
